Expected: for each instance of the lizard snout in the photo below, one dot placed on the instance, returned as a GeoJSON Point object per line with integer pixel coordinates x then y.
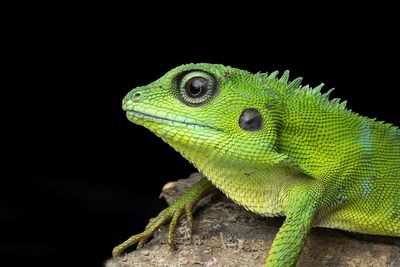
{"type": "Point", "coordinates": [130, 98]}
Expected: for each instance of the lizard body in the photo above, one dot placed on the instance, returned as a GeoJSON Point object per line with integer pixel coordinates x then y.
{"type": "Point", "coordinates": [275, 147]}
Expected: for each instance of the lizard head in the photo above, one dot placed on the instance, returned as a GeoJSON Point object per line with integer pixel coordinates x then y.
{"type": "Point", "coordinates": [208, 111]}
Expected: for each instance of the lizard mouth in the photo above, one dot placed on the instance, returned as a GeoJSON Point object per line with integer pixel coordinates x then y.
{"type": "Point", "coordinates": [132, 114]}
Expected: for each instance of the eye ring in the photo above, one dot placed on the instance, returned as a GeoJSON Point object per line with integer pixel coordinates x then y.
{"type": "Point", "coordinates": [196, 87]}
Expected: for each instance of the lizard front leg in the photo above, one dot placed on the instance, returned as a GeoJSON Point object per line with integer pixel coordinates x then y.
{"type": "Point", "coordinates": [301, 204]}
{"type": "Point", "coordinates": [182, 205]}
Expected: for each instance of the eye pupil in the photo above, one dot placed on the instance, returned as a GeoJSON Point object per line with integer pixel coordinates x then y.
{"type": "Point", "coordinates": [196, 87]}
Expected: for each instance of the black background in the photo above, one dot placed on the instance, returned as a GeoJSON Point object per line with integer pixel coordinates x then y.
{"type": "Point", "coordinates": [80, 177]}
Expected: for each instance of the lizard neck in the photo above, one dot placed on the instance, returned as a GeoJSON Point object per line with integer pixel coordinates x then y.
{"type": "Point", "coordinates": [257, 187]}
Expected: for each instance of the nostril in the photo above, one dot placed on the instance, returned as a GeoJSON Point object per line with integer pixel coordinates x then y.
{"type": "Point", "coordinates": [136, 96]}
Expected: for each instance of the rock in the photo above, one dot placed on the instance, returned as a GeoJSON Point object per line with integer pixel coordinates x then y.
{"type": "Point", "coordinates": [228, 235]}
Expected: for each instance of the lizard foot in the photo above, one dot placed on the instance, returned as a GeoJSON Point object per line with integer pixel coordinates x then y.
{"type": "Point", "coordinates": [182, 205]}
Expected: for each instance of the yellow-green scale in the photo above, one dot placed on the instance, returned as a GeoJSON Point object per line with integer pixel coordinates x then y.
{"type": "Point", "coordinates": [358, 155]}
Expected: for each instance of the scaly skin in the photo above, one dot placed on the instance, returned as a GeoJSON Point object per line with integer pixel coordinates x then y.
{"type": "Point", "coordinates": [276, 148]}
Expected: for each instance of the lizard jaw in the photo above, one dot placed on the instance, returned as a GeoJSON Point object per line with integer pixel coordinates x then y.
{"type": "Point", "coordinates": [133, 115]}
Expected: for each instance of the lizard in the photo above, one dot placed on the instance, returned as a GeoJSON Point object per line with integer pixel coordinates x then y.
{"type": "Point", "coordinates": [275, 147]}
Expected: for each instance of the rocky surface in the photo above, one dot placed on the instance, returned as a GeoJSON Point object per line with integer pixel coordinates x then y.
{"type": "Point", "coordinates": [228, 235]}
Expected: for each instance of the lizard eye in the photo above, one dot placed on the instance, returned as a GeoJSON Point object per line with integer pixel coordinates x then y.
{"type": "Point", "coordinates": [196, 87]}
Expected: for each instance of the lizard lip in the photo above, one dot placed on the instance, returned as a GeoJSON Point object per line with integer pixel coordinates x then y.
{"type": "Point", "coordinates": [140, 114]}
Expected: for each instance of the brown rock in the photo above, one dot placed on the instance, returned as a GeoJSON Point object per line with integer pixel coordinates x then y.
{"type": "Point", "coordinates": [228, 235]}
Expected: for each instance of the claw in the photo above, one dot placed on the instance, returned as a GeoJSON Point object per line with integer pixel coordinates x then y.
{"type": "Point", "coordinates": [172, 228]}
{"type": "Point", "coordinates": [173, 213]}
{"type": "Point", "coordinates": [141, 243]}
{"type": "Point", "coordinates": [117, 251]}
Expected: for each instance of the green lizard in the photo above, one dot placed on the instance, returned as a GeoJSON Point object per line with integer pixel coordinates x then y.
{"type": "Point", "coordinates": [275, 148]}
